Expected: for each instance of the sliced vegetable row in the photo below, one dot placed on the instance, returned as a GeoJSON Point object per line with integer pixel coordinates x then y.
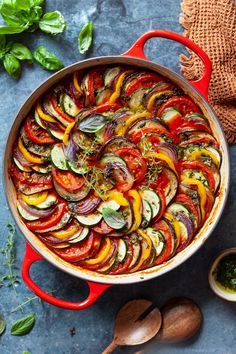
{"type": "Point", "coordinates": [116, 169]}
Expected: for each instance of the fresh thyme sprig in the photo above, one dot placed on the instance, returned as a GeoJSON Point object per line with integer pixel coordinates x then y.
{"type": "Point", "coordinates": [153, 167]}
{"type": "Point", "coordinates": [29, 300]}
{"type": "Point", "coordinates": [9, 258]}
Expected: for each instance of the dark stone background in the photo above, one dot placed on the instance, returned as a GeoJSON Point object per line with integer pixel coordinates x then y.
{"type": "Point", "coordinates": [117, 25]}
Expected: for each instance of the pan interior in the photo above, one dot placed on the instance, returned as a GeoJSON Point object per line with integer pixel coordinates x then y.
{"type": "Point", "coordinates": [204, 232]}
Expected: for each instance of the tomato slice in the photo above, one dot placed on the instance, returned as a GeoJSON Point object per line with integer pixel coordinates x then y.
{"type": "Point", "coordinates": [135, 162]}
{"type": "Point", "coordinates": [68, 180]}
{"type": "Point", "coordinates": [78, 251]}
{"type": "Point", "coordinates": [54, 102]}
{"type": "Point", "coordinates": [30, 178]}
{"type": "Point", "coordinates": [94, 82]}
{"type": "Point", "coordinates": [146, 80]}
{"type": "Point", "coordinates": [136, 137]}
{"type": "Point", "coordinates": [169, 241]}
{"type": "Point", "coordinates": [188, 202]}
{"type": "Point", "coordinates": [49, 221]}
{"type": "Point", "coordinates": [191, 126]}
{"type": "Point", "coordinates": [197, 165]}
{"type": "Point", "coordinates": [106, 107]}
{"type": "Point", "coordinates": [37, 134]}
{"type": "Point", "coordinates": [161, 194]}
{"type": "Point", "coordinates": [102, 228]}
{"type": "Point", "coordinates": [159, 183]}
{"type": "Point", "coordinates": [184, 104]}
{"type": "Point", "coordinates": [122, 267]}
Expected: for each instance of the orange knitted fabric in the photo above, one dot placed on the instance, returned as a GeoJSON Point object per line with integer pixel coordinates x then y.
{"type": "Point", "coordinates": [212, 25]}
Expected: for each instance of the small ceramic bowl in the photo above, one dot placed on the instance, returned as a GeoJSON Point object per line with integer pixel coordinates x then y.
{"type": "Point", "coordinates": [216, 287]}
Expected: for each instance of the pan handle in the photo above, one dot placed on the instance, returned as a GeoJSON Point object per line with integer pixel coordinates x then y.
{"type": "Point", "coordinates": [137, 51]}
{"type": "Point", "coordinates": [95, 289]}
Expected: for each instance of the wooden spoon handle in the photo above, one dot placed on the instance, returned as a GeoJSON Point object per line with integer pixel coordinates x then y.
{"type": "Point", "coordinates": [111, 347]}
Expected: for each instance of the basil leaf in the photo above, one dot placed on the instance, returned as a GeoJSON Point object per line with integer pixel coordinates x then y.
{"type": "Point", "coordinates": [113, 218]}
{"type": "Point", "coordinates": [92, 123]}
{"type": "Point", "coordinates": [10, 13]}
{"type": "Point", "coordinates": [24, 352]}
{"type": "Point", "coordinates": [24, 325]}
{"type": "Point", "coordinates": [22, 5]}
{"type": "Point", "coordinates": [85, 39]}
{"type": "Point", "coordinates": [2, 324]}
{"type": "Point", "coordinates": [52, 22]}
{"type": "Point", "coordinates": [21, 52]}
{"type": "Point", "coordinates": [12, 65]}
{"type": "Point", "coordinates": [11, 29]}
{"type": "Point", "coordinates": [47, 60]}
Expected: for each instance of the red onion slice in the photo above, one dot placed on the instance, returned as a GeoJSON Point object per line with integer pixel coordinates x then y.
{"type": "Point", "coordinates": [168, 149]}
{"type": "Point", "coordinates": [117, 171]}
{"type": "Point", "coordinates": [36, 212]}
{"type": "Point", "coordinates": [187, 222]}
{"type": "Point", "coordinates": [85, 206]}
{"type": "Point", "coordinates": [19, 157]}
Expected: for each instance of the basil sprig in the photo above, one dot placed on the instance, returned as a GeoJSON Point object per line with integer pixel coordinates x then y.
{"type": "Point", "coordinates": [113, 218]}
{"type": "Point", "coordinates": [47, 60]}
{"type": "Point", "coordinates": [93, 123]}
{"type": "Point", "coordinates": [22, 15]}
{"type": "Point", "coordinates": [85, 39]}
{"type": "Point", "coordinates": [24, 325]}
{"type": "Point", "coordinates": [11, 55]}
{"type": "Point", "coordinates": [2, 324]}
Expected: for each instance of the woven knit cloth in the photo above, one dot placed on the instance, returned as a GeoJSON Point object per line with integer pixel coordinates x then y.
{"type": "Point", "coordinates": [212, 25]}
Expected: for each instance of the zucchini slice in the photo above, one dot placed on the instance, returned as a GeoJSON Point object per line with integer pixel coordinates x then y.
{"type": "Point", "coordinates": [110, 204]}
{"type": "Point", "coordinates": [68, 105]}
{"type": "Point", "coordinates": [49, 201]}
{"type": "Point", "coordinates": [121, 251]}
{"type": "Point", "coordinates": [58, 157]}
{"type": "Point", "coordinates": [77, 167]}
{"type": "Point", "coordinates": [157, 239]}
{"type": "Point", "coordinates": [176, 208]}
{"type": "Point", "coordinates": [90, 219]}
{"type": "Point", "coordinates": [147, 213]}
{"type": "Point", "coordinates": [82, 235]}
{"type": "Point", "coordinates": [153, 199]}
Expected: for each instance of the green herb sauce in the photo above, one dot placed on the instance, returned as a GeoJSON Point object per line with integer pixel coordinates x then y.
{"type": "Point", "coordinates": [225, 272]}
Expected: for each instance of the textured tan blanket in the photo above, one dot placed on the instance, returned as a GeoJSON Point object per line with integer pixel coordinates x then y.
{"type": "Point", "coordinates": [212, 25]}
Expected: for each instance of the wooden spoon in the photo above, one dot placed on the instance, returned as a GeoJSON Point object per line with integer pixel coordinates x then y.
{"type": "Point", "coordinates": [181, 320]}
{"type": "Point", "coordinates": [134, 324]}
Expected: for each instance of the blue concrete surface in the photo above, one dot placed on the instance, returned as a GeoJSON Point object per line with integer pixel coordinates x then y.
{"type": "Point", "coordinates": [117, 25]}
